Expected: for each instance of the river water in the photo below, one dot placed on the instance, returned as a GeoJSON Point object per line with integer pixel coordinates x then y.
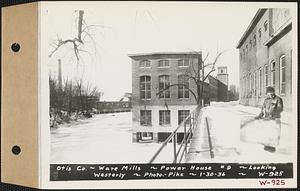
{"type": "Point", "coordinates": [105, 138]}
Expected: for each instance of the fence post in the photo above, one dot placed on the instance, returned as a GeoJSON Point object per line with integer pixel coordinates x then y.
{"type": "Point", "coordinates": [174, 147]}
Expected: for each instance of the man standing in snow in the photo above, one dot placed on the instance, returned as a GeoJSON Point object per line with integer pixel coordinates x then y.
{"type": "Point", "coordinates": [270, 112]}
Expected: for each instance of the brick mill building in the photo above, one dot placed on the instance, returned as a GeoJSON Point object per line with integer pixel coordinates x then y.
{"type": "Point", "coordinates": [265, 51]}
{"type": "Point", "coordinates": [156, 114]}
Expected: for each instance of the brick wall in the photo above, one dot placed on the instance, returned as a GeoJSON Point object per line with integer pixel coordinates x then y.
{"type": "Point", "coordinates": [154, 71]}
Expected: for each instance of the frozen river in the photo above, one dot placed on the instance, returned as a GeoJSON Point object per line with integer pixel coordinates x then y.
{"type": "Point", "coordinates": [105, 138]}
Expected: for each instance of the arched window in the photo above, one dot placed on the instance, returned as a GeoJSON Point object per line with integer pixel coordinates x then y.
{"type": "Point", "coordinates": [183, 87]}
{"type": "Point", "coordinates": [267, 75]}
{"type": "Point", "coordinates": [251, 83]}
{"type": "Point", "coordinates": [164, 83]}
{"type": "Point", "coordinates": [273, 66]}
{"type": "Point", "coordinates": [282, 63]}
{"type": "Point", "coordinates": [260, 82]}
{"type": "Point", "coordinates": [255, 82]}
{"type": "Point", "coordinates": [266, 26]}
{"type": "Point", "coordinates": [145, 87]}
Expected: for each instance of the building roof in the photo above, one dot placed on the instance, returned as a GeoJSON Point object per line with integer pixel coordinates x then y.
{"type": "Point", "coordinates": [252, 24]}
{"type": "Point", "coordinates": [163, 53]}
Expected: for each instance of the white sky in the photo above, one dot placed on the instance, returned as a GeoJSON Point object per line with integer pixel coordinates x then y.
{"type": "Point", "coordinates": [132, 27]}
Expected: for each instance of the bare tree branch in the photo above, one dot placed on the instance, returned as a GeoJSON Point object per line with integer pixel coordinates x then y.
{"type": "Point", "coordinates": [178, 85]}
{"type": "Point", "coordinates": [78, 41]}
{"type": "Point", "coordinates": [198, 77]}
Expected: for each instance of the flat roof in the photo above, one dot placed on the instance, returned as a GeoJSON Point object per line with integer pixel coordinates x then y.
{"type": "Point", "coordinates": [163, 53]}
{"type": "Point", "coordinates": [252, 24]}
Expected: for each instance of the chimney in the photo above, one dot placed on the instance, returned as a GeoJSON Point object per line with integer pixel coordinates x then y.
{"type": "Point", "coordinates": [59, 74]}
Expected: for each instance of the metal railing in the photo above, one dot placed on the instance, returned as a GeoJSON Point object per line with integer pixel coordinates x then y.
{"type": "Point", "coordinates": [188, 124]}
{"type": "Point", "coordinates": [211, 152]}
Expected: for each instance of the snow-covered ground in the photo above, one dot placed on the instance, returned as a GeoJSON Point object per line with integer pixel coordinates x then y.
{"type": "Point", "coordinates": [237, 137]}
{"type": "Point", "coordinates": [106, 138]}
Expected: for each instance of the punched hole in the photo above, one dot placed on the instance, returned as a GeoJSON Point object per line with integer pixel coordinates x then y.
{"type": "Point", "coordinates": [16, 150]}
{"type": "Point", "coordinates": [15, 47]}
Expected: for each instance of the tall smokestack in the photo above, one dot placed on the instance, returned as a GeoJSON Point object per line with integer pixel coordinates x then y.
{"type": "Point", "coordinates": [59, 74]}
{"type": "Point", "coordinates": [80, 19]}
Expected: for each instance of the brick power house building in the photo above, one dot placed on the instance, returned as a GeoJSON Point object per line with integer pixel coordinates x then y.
{"type": "Point", "coordinates": [266, 57]}
{"type": "Point", "coordinates": [155, 115]}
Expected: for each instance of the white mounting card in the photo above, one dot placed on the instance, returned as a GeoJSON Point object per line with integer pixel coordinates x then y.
{"type": "Point", "coordinates": [151, 95]}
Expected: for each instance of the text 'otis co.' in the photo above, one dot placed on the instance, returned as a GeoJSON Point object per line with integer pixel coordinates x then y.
{"type": "Point", "coordinates": [67, 172]}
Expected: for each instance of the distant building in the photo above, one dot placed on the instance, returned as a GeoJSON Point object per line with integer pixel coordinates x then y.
{"type": "Point", "coordinates": [113, 106]}
{"type": "Point", "coordinates": [222, 78]}
{"type": "Point", "coordinates": [233, 94]}
{"type": "Point", "coordinates": [265, 54]}
{"type": "Point", "coordinates": [157, 113]}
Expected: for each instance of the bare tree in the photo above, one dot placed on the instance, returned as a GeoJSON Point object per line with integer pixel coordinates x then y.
{"type": "Point", "coordinates": [84, 35]}
{"type": "Point", "coordinates": [198, 72]}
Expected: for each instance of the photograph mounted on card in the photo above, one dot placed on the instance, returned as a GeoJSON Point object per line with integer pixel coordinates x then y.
{"type": "Point", "coordinates": [167, 95]}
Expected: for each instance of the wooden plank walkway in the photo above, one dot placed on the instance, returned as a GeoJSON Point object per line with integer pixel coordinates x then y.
{"type": "Point", "coordinates": [204, 146]}
{"type": "Point", "coordinates": [199, 147]}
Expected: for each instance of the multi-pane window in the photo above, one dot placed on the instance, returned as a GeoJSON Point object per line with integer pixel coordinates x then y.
{"type": "Point", "coordinates": [245, 86]}
{"type": "Point", "coordinates": [163, 63]}
{"type": "Point", "coordinates": [251, 83]}
{"type": "Point", "coordinates": [146, 135]}
{"type": "Point", "coordinates": [266, 26]}
{"type": "Point", "coordinates": [182, 115]}
{"type": "Point", "coordinates": [255, 82]}
{"type": "Point", "coordinates": [259, 82]}
{"type": "Point", "coordinates": [164, 117]}
{"type": "Point", "coordinates": [242, 87]}
{"type": "Point", "coordinates": [267, 75]}
{"type": "Point", "coordinates": [273, 64]}
{"type": "Point", "coordinates": [144, 64]}
{"type": "Point", "coordinates": [282, 62]}
{"type": "Point", "coordinates": [183, 86]}
{"type": "Point", "coordinates": [145, 117]}
{"type": "Point", "coordinates": [145, 87]}
{"type": "Point", "coordinates": [164, 83]}
{"type": "Point", "coordinates": [245, 83]}
{"type": "Point", "coordinates": [183, 62]}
